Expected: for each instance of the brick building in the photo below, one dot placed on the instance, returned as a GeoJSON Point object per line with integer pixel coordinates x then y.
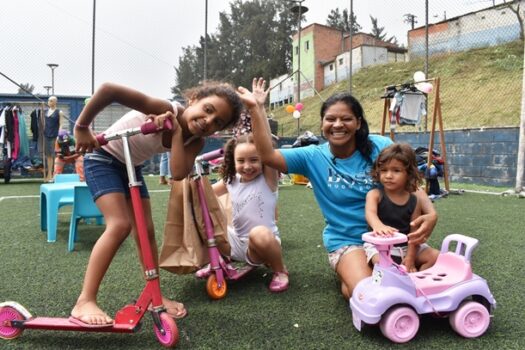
{"type": "Point", "coordinates": [325, 59]}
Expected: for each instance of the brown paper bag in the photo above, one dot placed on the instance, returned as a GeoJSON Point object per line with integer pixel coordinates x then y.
{"type": "Point", "coordinates": [183, 250]}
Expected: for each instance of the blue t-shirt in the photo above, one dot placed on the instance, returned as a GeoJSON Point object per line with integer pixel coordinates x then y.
{"type": "Point", "coordinates": [339, 187]}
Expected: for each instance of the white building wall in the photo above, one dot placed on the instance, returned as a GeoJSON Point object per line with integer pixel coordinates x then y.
{"type": "Point", "coordinates": [489, 27]}
{"type": "Point", "coordinates": [282, 90]}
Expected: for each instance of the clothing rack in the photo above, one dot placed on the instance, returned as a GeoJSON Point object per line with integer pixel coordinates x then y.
{"type": "Point", "coordinates": [436, 116]}
{"type": "Point", "coordinates": [38, 104]}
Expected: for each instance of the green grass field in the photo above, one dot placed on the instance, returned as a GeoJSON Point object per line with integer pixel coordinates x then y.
{"type": "Point", "coordinates": [46, 279]}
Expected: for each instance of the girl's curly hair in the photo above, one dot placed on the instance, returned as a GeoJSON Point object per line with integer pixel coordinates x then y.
{"type": "Point", "coordinates": [403, 153]}
{"type": "Point", "coordinates": [224, 90]}
{"type": "Point", "coordinates": [227, 170]}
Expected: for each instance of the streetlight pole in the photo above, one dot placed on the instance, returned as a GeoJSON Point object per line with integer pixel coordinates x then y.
{"type": "Point", "coordinates": [47, 87]}
{"type": "Point", "coordinates": [52, 66]}
{"type": "Point", "coordinates": [205, 72]}
{"type": "Point", "coordinates": [351, 46]}
{"type": "Point", "coordinates": [300, 10]}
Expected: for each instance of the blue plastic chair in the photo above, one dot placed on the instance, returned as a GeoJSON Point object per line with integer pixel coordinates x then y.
{"type": "Point", "coordinates": [52, 197]}
{"type": "Point", "coordinates": [83, 207]}
{"type": "Point", "coordinates": [59, 178]}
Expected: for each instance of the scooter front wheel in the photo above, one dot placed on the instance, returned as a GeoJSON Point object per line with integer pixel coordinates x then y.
{"type": "Point", "coordinates": [214, 290]}
{"type": "Point", "coordinates": [8, 314]}
{"type": "Point", "coordinates": [171, 332]}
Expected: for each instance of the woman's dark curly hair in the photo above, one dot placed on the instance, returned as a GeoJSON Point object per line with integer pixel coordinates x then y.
{"type": "Point", "coordinates": [404, 154]}
{"type": "Point", "coordinates": [362, 142]}
{"type": "Point", "coordinates": [227, 170]}
{"type": "Point", "coordinates": [224, 90]}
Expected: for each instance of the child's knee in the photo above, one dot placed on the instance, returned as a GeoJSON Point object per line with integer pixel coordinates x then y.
{"type": "Point", "coordinates": [261, 236]}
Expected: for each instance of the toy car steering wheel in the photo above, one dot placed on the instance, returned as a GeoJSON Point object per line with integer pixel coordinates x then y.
{"type": "Point", "coordinates": [396, 238]}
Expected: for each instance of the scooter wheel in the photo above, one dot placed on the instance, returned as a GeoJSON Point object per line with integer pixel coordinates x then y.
{"type": "Point", "coordinates": [8, 313]}
{"type": "Point", "coordinates": [171, 332]}
{"type": "Point", "coordinates": [470, 320]}
{"type": "Point", "coordinates": [212, 287]}
{"type": "Point", "coordinates": [400, 324]}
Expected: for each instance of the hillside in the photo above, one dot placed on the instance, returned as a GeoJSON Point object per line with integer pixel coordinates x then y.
{"type": "Point", "coordinates": [479, 88]}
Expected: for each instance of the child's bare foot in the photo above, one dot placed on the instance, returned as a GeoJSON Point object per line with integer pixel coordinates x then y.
{"type": "Point", "coordinates": [89, 313]}
{"type": "Point", "coordinates": [174, 308]}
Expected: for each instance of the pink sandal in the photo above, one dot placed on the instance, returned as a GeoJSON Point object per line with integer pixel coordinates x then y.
{"type": "Point", "coordinates": [280, 282]}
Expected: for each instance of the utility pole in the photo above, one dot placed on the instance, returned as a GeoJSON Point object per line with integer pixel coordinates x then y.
{"type": "Point", "coordinates": [205, 73]}
{"type": "Point", "coordinates": [351, 46]}
{"type": "Point", "coordinates": [300, 10]}
{"type": "Point", "coordinates": [410, 19]}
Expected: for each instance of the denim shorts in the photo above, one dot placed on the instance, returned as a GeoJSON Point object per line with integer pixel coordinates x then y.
{"type": "Point", "coordinates": [106, 174]}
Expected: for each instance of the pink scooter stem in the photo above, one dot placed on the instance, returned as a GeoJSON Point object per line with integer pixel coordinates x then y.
{"type": "Point", "coordinates": [208, 224]}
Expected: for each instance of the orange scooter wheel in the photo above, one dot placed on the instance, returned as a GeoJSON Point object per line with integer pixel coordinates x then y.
{"type": "Point", "coordinates": [213, 289]}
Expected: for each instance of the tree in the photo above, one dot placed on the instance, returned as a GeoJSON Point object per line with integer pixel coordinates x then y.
{"type": "Point", "coordinates": [26, 89]}
{"type": "Point", "coordinates": [186, 72]}
{"type": "Point", "coordinates": [377, 32]}
{"type": "Point", "coordinates": [253, 39]}
{"type": "Point", "coordinates": [514, 6]}
{"type": "Point", "coordinates": [342, 21]}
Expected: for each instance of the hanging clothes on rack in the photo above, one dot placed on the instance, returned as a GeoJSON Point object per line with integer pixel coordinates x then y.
{"type": "Point", "coordinates": [408, 106]}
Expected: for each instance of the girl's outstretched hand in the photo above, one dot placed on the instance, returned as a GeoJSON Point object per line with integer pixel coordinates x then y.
{"type": "Point", "coordinates": [258, 95]}
{"type": "Point", "coordinates": [258, 90]}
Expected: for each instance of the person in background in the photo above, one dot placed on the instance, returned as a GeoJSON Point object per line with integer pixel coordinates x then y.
{"type": "Point", "coordinates": [54, 121]}
{"type": "Point", "coordinates": [164, 169]}
{"type": "Point", "coordinates": [66, 154]}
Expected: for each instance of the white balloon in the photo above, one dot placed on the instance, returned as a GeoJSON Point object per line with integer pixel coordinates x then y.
{"type": "Point", "coordinates": [296, 114]}
{"type": "Point", "coordinates": [419, 76]}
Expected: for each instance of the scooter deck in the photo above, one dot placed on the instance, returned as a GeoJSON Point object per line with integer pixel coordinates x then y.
{"type": "Point", "coordinates": [64, 324]}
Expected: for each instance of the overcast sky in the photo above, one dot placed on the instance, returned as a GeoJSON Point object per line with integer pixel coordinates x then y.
{"type": "Point", "coordinates": [138, 42]}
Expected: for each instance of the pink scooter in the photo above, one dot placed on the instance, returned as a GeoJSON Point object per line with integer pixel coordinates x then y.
{"type": "Point", "coordinates": [220, 270]}
{"type": "Point", "coordinates": [395, 299]}
{"type": "Point", "coordinates": [14, 318]}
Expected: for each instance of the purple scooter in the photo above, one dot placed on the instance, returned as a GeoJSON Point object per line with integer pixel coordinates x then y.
{"type": "Point", "coordinates": [220, 270]}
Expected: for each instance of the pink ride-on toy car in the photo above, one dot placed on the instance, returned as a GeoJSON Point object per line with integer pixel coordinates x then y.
{"type": "Point", "coordinates": [395, 299]}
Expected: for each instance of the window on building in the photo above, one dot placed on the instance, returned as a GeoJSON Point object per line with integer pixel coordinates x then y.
{"type": "Point", "coordinates": [331, 67]}
{"type": "Point", "coordinates": [297, 50]}
{"type": "Point", "coordinates": [341, 61]}
{"type": "Point", "coordinates": [280, 86]}
{"type": "Point", "coordinates": [307, 45]}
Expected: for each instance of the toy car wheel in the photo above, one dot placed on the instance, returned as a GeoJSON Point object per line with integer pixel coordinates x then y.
{"type": "Point", "coordinates": [171, 332]}
{"type": "Point", "coordinates": [470, 320]}
{"type": "Point", "coordinates": [213, 289]}
{"type": "Point", "coordinates": [7, 314]}
{"type": "Point", "coordinates": [400, 324]}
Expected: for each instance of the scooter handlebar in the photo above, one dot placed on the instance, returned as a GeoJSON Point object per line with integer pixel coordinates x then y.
{"type": "Point", "coordinates": [211, 155]}
{"type": "Point", "coordinates": [101, 139]}
{"type": "Point", "coordinates": [150, 127]}
{"type": "Point", "coordinates": [146, 128]}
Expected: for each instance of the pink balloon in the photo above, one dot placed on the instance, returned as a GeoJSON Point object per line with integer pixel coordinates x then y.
{"type": "Point", "coordinates": [299, 106]}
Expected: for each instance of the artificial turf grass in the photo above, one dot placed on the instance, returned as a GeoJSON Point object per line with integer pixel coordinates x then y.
{"type": "Point", "coordinates": [310, 315]}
